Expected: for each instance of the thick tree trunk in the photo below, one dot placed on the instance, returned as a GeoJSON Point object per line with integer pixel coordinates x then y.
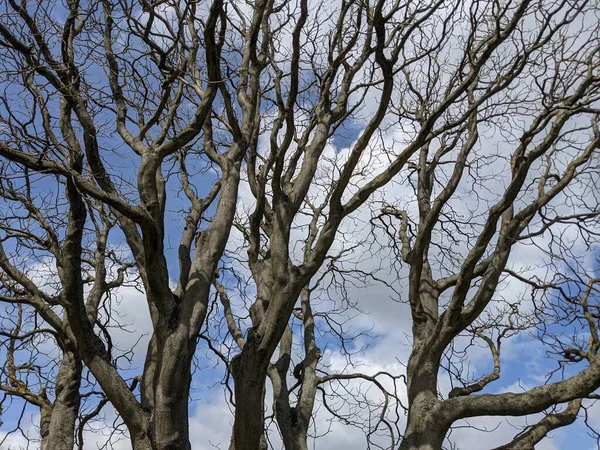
{"type": "Point", "coordinates": [297, 440]}
{"type": "Point", "coordinates": [423, 433]}
{"type": "Point", "coordinates": [249, 375]}
{"type": "Point", "coordinates": [300, 442]}
{"type": "Point", "coordinates": [426, 427]}
{"type": "Point", "coordinates": [58, 430]}
{"type": "Point", "coordinates": [170, 417]}
{"type": "Point", "coordinates": [165, 385]}
{"type": "Point", "coordinates": [142, 442]}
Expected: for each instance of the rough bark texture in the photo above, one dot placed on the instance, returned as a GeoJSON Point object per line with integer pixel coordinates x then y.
{"type": "Point", "coordinates": [249, 376]}
{"type": "Point", "coordinates": [65, 409]}
{"type": "Point", "coordinates": [171, 397]}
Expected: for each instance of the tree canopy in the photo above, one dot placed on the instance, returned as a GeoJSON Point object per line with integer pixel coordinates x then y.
{"type": "Point", "coordinates": [250, 179]}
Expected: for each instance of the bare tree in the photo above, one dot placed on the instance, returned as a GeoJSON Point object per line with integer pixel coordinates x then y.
{"type": "Point", "coordinates": [298, 378]}
{"type": "Point", "coordinates": [176, 105]}
{"type": "Point", "coordinates": [445, 101]}
{"type": "Point", "coordinates": [34, 330]}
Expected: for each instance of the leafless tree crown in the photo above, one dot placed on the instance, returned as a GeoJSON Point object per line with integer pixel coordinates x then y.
{"type": "Point", "coordinates": [251, 168]}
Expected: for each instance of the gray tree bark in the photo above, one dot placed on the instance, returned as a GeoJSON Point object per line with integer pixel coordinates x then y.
{"type": "Point", "coordinates": [59, 433]}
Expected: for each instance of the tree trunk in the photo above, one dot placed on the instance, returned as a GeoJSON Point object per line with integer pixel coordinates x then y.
{"type": "Point", "coordinates": [426, 427]}
{"type": "Point", "coordinates": [249, 375]}
{"type": "Point", "coordinates": [423, 433]}
{"type": "Point", "coordinates": [58, 433]}
{"type": "Point", "coordinates": [295, 421]}
{"type": "Point", "coordinates": [170, 417]}
{"type": "Point", "coordinates": [142, 442]}
{"type": "Point", "coordinates": [298, 440]}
